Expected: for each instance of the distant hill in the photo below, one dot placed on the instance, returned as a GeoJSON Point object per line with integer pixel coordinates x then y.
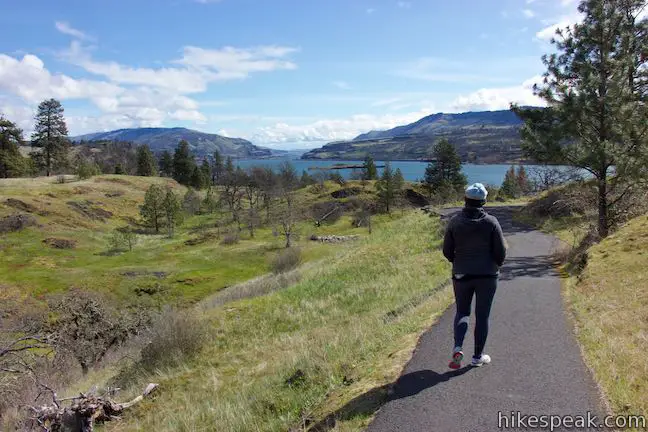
{"type": "Point", "coordinates": [483, 137]}
{"type": "Point", "coordinates": [160, 139]}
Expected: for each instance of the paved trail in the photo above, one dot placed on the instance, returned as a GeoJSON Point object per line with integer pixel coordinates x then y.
{"type": "Point", "coordinates": [536, 369]}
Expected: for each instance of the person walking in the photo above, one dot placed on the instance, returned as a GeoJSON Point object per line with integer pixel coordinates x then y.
{"type": "Point", "coordinates": [475, 245]}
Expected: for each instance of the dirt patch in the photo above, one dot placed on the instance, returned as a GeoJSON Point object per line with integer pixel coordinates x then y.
{"type": "Point", "coordinates": [16, 222]}
{"type": "Point", "coordinates": [114, 180]}
{"type": "Point", "coordinates": [345, 193]}
{"type": "Point", "coordinates": [114, 194]}
{"type": "Point", "coordinates": [79, 190]}
{"type": "Point", "coordinates": [26, 207]}
{"type": "Point", "coordinates": [202, 239]}
{"type": "Point", "coordinates": [90, 210]}
{"type": "Point", "coordinates": [59, 243]}
{"type": "Point", "coordinates": [136, 273]}
{"type": "Point", "coordinates": [416, 199]}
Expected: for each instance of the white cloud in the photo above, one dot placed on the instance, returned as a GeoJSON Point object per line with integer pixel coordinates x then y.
{"type": "Point", "coordinates": [548, 32]}
{"type": "Point", "coordinates": [188, 115]}
{"type": "Point", "coordinates": [29, 79]}
{"type": "Point", "coordinates": [67, 29]}
{"type": "Point", "coordinates": [528, 13]}
{"type": "Point", "coordinates": [404, 4]}
{"type": "Point", "coordinates": [488, 99]}
{"type": "Point", "coordinates": [343, 85]}
{"type": "Point", "coordinates": [199, 66]}
{"type": "Point", "coordinates": [331, 129]}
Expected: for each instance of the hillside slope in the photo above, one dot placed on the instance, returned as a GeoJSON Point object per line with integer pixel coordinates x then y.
{"type": "Point", "coordinates": [160, 139]}
{"type": "Point", "coordinates": [609, 302]}
{"type": "Point", "coordinates": [486, 137]}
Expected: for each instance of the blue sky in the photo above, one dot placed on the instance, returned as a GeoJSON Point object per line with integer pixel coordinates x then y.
{"type": "Point", "coordinates": [282, 73]}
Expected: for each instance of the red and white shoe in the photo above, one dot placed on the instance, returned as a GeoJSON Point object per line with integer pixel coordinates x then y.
{"type": "Point", "coordinates": [457, 357]}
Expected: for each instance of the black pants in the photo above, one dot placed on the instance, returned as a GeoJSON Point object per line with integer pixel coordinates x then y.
{"type": "Point", "coordinates": [484, 290]}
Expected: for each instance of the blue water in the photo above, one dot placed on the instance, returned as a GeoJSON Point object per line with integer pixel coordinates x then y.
{"type": "Point", "coordinates": [412, 171]}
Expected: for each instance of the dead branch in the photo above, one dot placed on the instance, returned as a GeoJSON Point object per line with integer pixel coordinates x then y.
{"type": "Point", "coordinates": [83, 412]}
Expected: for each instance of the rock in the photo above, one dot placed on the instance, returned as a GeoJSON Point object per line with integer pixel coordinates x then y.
{"type": "Point", "coordinates": [334, 238]}
{"type": "Point", "coordinates": [59, 243]}
{"type": "Point", "coordinates": [345, 193]}
{"type": "Point", "coordinates": [16, 222]}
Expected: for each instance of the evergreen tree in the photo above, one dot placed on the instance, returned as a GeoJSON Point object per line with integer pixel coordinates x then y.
{"type": "Point", "coordinates": [386, 188]}
{"type": "Point", "coordinates": [184, 164]}
{"type": "Point", "coordinates": [229, 167]}
{"type": "Point", "coordinates": [197, 180]}
{"type": "Point", "coordinates": [595, 89]}
{"type": "Point", "coordinates": [166, 164]}
{"type": "Point", "coordinates": [50, 134]}
{"type": "Point", "coordinates": [444, 173]}
{"type": "Point", "coordinates": [172, 211]}
{"type": "Point", "coordinates": [205, 172]}
{"type": "Point", "coordinates": [399, 180]}
{"type": "Point", "coordinates": [510, 187]}
{"type": "Point", "coordinates": [217, 168]}
{"type": "Point", "coordinates": [119, 169]}
{"type": "Point", "coordinates": [12, 164]}
{"type": "Point", "coordinates": [306, 179]}
{"type": "Point", "coordinates": [210, 204]}
{"type": "Point", "coordinates": [523, 180]}
{"type": "Point", "coordinates": [146, 165]}
{"type": "Point", "coordinates": [153, 209]}
{"type": "Point", "coordinates": [369, 170]}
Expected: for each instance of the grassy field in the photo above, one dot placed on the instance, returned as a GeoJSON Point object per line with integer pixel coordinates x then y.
{"type": "Point", "coordinates": [327, 346]}
{"type": "Point", "coordinates": [176, 272]}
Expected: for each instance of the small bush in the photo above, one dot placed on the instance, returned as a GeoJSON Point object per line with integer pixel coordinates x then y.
{"type": "Point", "coordinates": [229, 239]}
{"type": "Point", "coordinates": [286, 260]}
{"type": "Point", "coordinates": [86, 170]}
{"type": "Point", "coordinates": [174, 337]}
{"type": "Point", "coordinates": [60, 179]}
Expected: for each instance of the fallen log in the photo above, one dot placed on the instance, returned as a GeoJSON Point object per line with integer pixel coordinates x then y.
{"type": "Point", "coordinates": [82, 412]}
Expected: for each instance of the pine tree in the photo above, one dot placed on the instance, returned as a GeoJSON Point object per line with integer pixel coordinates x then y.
{"type": "Point", "coordinates": [191, 202]}
{"type": "Point", "coordinates": [229, 167]}
{"type": "Point", "coordinates": [12, 164]}
{"type": "Point", "coordinates": [523, 180]}
{"type": "Point", "coordinates": [50, 134]}
{"type": "Point", "coordinates": [510, 187]}
{"type": "Point", "coordinates": [166, 164]}
{"type": "Point", "coordinates": [153, 209]}
{"type": "Point", "coordinates": [386, 188]}
{"type": "Point", "coordinates": [369, 170]}
{"type": "Point", "coordinates": [183, 164]}
{"type": "Point", "coordinates": [197, 179]}
{"type": "Point", "coordinates": [172, 211]}
{"type": "Point", "coordinates": [595, 89]}
{"type": "Point", "coordinates": [217, 168]}
{"type": "Point", "coordinates": [146, 165]}
{"type": "Point", "coordinates": [444, 175]}
{"type": "Point", "coordinates": [210, 204]}
{"type": "Point", "coordinates": [205, 172]}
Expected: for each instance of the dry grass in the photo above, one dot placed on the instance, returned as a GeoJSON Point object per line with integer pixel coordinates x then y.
{"type": "Point", "coordinates": [307, 350]}
{"type": "Point", "coordinates": [609, 303]}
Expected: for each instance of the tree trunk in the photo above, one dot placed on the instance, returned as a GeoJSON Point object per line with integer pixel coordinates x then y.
{"type": "Point", "coordinates": [602, 207]}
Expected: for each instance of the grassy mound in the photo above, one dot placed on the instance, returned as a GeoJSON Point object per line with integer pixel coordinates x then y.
{"type": "Point", "coordinates": [609, 302]}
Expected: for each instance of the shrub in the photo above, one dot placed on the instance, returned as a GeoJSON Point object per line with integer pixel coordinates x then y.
{"type": "Point", "coordinates": [60, 179]}
{"type": "Point", "coordinates": [286, 260]}
{"type": "Point", "coordinates": [230, 239]}
{"type": "Point", "coordinates": [123, 239]}
{"type": "Point", "coordinates": [191, 202]}
{"type": "Point", "coordinates": [174, 336]}
{"type": "Point", "coordinates": [86, 169]}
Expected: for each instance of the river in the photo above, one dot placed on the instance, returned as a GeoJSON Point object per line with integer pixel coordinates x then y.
{"type": "Point", "coordinates": [412, 171]}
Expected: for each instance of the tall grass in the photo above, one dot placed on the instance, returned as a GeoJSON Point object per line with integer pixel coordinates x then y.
{"type": "Point", "coordinates": [304, 351]}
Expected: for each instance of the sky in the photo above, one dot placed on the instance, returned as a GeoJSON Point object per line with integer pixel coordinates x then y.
{"type": "Point", "coordinates": [285, 74]}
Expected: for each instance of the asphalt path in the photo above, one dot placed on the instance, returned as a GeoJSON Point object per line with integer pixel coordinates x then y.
{"type": "Point", "coordinates": [536, 368]}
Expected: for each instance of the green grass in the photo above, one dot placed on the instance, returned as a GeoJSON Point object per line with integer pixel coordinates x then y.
{"type": "Point", "coordinates": [609, 305]}
{"type": "Point", "coordinates": [191, 272]}
{"type": "Point", "coordinates": [331, 326]}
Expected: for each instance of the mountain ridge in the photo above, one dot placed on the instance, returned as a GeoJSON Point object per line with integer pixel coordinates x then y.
{"type": "Point", "coordinates": [478, 136]}
{"type": "Point", "coordinates": [160, 139]}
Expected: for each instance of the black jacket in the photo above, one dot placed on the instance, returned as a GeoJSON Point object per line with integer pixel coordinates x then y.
{"type": "Point", "coordinates": [474, 243]}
